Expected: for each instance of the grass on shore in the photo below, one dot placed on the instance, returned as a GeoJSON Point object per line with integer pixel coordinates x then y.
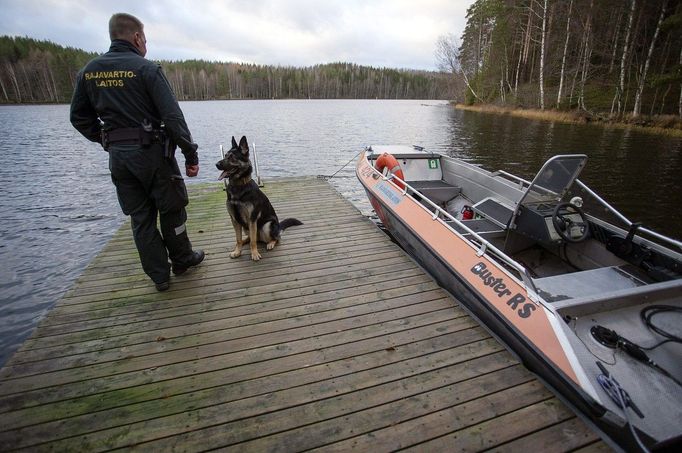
{"type": "Point", "coordinates": [658, 124]}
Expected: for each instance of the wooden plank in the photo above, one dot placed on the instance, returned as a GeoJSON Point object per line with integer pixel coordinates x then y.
{"type": "Point", "coordinates": [330, 419]}
{"type": "Point", "coordinates": [106, 308]}
{"type": "Point", "coordinates": [153, 354]}
{"type": "Point", "coordinates": [322, 274]}
{"type": "Point", "coordinates": [261, 377]}
{"type": "Point", "coordinates": [503, 422]}
{"type": "Point", "coordinates": [218, 404]}
{"type": "Point", "coordinates": [279, 347]}
{"type": "Point", "coordinates": [125, 330]}
{"type": "Point", "coordinates": [456, 411]}
{"type": "Point", "coordinates": [596, 447]}
{"type": "Point", "coordinates": [218, 330]}
{"type": "Point", "coordinates": [334, 340]}
{"type": "Point", "coordinates": [135, 317]}
{"type": "Point", "coordinates": [570, 434]}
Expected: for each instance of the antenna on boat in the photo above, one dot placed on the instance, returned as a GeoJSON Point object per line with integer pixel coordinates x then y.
{"type": "Point", "coordinates": [255, 164]}
{"type": "Point", "coordinates": [222, 153]}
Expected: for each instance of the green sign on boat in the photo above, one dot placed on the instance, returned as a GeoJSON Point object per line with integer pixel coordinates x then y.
{"type": "Point", "coordinates": [433, 164]}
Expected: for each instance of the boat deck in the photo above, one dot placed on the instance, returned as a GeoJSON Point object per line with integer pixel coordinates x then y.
{"type": "Point", "coordinates": [335, 340]}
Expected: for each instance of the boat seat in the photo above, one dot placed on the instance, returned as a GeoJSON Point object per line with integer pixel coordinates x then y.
{"type": "Point", "coordinates": [586, 283]}
{"type": "Point", "coordinates": [492, 209]}
{"type": "Point", "coordinates": [480, 226]}
{"type": "Point", "coordinates": [437, 191]}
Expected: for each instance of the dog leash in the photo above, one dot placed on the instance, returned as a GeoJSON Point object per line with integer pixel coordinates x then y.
{"type": "Point", "coordinates": [344, 166]}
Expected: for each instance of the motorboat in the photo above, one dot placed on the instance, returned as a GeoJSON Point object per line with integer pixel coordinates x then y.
{"type": "Point", "coordinates": [588, 300]}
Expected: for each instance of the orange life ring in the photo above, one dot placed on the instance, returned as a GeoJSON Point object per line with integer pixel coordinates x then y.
{"type": "Point", "coordinates": [386, 160]}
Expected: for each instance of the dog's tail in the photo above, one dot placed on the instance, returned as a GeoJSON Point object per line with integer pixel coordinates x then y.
{"type": "Point", "coordinates": [286, 223]}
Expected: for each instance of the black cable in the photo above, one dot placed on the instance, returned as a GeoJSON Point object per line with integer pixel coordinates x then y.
{"type": "Point", "coordinates": [666, 373]}
{"type": "Point", "coordinates": [656, 309]}
{"type": "Point", "coordinates": [651, 348]}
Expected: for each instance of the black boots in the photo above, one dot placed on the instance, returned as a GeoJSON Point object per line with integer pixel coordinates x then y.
{"type": "Point", "coordinates": [196, 258]}
{"type": "Point", "coordinates": [179, 269]}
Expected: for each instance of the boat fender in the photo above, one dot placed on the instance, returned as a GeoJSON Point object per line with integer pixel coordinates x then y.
{"type": "Point", "coordinates": [387, 160]}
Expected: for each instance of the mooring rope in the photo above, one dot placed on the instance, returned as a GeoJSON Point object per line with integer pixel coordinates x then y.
{"type": "Point", "coordinates": [337, 171]}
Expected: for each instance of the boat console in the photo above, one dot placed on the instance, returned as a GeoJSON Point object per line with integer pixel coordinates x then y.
{"type": "Point", "coordinates": [536, 221]}
{"type": "Point", "coordinates": [540, 215]}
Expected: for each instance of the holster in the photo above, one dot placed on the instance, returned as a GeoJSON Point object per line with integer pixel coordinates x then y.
{"type": "Point", "coordinates": [105, 140]}
{"type": "Point", "coordinates": [169, 147]}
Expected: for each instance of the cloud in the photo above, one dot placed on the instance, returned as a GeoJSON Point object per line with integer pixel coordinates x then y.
{"type": "Point", "coordinates": [388, 33]}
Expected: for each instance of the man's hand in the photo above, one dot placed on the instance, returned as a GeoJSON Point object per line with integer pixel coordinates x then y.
{"type": "Point", "coordinates": [192, 170]}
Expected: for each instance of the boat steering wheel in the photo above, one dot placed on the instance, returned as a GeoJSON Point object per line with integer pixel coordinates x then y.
{"type": "Point", "coordinates": [564, 225]}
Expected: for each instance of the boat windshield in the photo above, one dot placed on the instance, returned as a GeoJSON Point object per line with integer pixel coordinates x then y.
{"type": "Point", "coordinates": [554, 178]}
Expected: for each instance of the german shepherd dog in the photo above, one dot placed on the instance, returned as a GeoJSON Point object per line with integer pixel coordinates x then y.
{"type": "Point", "coordinates": [247, 205]}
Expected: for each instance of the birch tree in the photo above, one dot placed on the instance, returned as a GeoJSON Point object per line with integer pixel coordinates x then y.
{"type": "Point", "coordinates": [640, 88]}
{"type": "Point", "coordinates": [4, 90]}
{"type": "Point", "coordinates": [542, 56]}
{"type": "Point", "coordinates": [13, 78]}
{"type": "Point", "coordinates": [587, 54]}
{"type": "Point", "coordinates": [621, 86]}
{"type": "Point", "coordinates": [563, 59]}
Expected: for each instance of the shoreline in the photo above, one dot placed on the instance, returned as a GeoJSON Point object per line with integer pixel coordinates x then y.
{"type": "Point", "coordinates": [24, 104]}
{"type": "Point", "coordinates": [575, 117]}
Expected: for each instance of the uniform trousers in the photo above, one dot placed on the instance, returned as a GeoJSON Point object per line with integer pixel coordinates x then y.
{"type": "Point", "coordinates": [147, 184]}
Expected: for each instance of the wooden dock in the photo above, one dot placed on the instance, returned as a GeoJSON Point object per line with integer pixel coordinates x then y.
{"type": "Point", "coordinates": [335, 340]}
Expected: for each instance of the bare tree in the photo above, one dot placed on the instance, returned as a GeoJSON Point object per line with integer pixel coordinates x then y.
{"type": "Point", "coordinates": [640, 88]}
{"type": "Point", "coordinates": [587, 37]}
{"type": "Point", "coordinates": [447, 58]}
{"type": "Point", "coordinates": [13, 78]}
{"type": "Point", "coordinates": [563, 59]}
{"type": "Point", "coordinates": [542, 56]}
{"type": "Point", "coordinates": [621, 87]}
{"type": "Point", "coordinates": [4, 90]}
{"type": "Point", "coordinates": [616, 37]}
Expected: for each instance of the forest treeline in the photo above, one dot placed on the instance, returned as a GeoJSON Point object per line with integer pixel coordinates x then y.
{"type": "Point", "coordinates": [33, 71]}
{"type": "Point", "coordinates": [618, 58]}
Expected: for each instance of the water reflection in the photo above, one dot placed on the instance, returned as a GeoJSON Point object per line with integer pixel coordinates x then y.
{"type": "Point", "coordinates": [637, 172]}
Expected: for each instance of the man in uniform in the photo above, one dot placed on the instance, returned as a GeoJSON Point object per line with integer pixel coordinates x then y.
{"type": "Point", "coordinates": [125, 103]}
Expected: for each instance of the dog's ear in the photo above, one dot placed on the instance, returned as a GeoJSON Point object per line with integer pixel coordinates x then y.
{"type": "Point", "coordinates": [234, 143]}
{"type": "Point", "coordinates": [244, 144]}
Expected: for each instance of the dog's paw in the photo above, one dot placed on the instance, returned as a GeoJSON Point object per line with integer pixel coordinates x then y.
{"type": "Point", "coordinates": [255, 256]}
{"type": "Point", "coordinates": [271, 245]}
{"type": "Point", "coordinates": [236, 254]}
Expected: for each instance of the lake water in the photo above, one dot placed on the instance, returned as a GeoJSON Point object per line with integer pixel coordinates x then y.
{"type": "Point", "coordinates": [59, 208]}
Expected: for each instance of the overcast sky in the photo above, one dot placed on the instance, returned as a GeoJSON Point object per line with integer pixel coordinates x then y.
{"type": "Point", "coordinates": [380, 33]}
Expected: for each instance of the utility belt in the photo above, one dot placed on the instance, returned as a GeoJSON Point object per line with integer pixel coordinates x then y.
{"type": "Point", "coordinates": [138, 136]}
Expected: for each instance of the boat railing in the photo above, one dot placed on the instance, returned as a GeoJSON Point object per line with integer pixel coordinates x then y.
{"type": "Point", "coordinates": [484, 246]}
{"type": "Point", "coordinates": [521, 181]}
{"type": "Point", "coordinates": [628, 222]}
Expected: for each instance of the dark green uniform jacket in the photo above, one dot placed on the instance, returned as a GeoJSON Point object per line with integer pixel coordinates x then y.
{"type": "Point", "coordinates": [123, 89]}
